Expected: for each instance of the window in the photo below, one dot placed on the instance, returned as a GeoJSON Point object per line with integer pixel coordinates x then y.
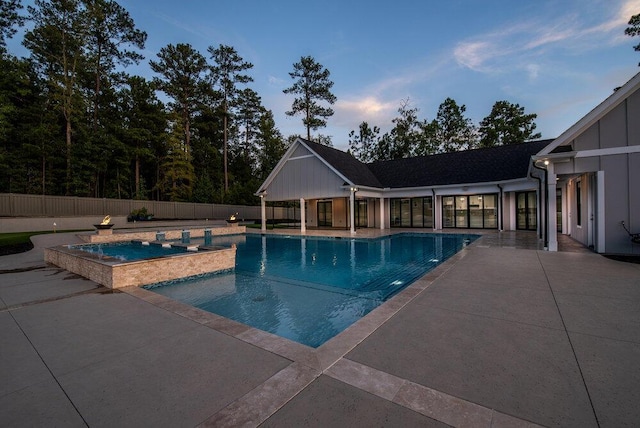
{"type": "Point", "coordinates": [361, 213]}
{"type": "Point", "coordinates": [490, 211]}
{"type": "Point", "coordinates": [462, 211]}
{"type": "Point", "coordinates": [474, 211]}
{"type": "Point", "coordinates": [412, 212]}
{"type": "Point", "coordinates": [396, 212]}
{"type": "Point", "coordinates": [325, 213]}
{"type": "Point", "coordinates": [427, 212]}
{"type": "Point", "coordinates": [526, 211]}
{"type": "Point", "coordinates": [448, 219]}
{"type": "Point", "coordinates": [405, 214]}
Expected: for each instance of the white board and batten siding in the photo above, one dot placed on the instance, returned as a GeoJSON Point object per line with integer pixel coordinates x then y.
{"type": "Point", "coordinates": [304, 175]}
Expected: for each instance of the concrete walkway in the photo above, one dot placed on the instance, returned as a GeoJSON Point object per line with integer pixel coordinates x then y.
{"type": "Point", "coordinates": [502, 334]}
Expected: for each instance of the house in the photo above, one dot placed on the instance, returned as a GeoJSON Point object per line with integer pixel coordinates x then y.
{"type": "Point", "coordinates": [594, 169]}
{"type": "Point", "coordinates": [584, 183]}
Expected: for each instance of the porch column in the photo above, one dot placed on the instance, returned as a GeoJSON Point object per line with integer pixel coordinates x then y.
{"type": "Point", "coordinates": [552, 221]}
{"type": "Point", "coordinates": [382, 215]}
{"type": "Point", "coordinates": [352, 214]}
{"type": "Point", "coordinates": [263, 212]}
{"type": "Point", "coordinates": [303, 220]}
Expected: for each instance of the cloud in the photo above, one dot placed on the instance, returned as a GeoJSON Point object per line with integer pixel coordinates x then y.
{"type": "Point", "coordinates": [474, 54]}
{"type": "Point", "coordinates": [275, 81]}
{"type": "Point", "coordinates": [368, 106]}
{"type": "Point", "coordinates": [549, 35]}
{"type": "Point", "coordinates": [513, 46]}
{"type": "Point", "coordinates": [183, 26]}
{"type": "Point", "coordinates": [621, 19]}
{"type": "Point", "coordinates": [371, 109]}
{"type": "Point", "coordinates": [533, 70]}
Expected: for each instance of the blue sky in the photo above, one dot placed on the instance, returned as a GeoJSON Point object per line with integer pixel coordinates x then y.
{"type": "Point", "coordinates": [557, 58]}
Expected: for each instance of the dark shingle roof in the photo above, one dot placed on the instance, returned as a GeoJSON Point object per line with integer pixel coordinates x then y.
{"type": "Point", "coordinates": [472, 166]}
{"type": "Point", "coordinates": [346, 164]}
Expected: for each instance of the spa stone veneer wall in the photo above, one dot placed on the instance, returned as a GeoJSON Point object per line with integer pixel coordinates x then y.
{"type": "Point", "coordinates": [124, 274]}
{"type": "Point", "coordinates": [151, 235]}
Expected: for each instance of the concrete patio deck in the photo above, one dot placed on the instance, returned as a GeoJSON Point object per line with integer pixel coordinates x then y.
{"type": "Point", "coordinates": [502, 334]}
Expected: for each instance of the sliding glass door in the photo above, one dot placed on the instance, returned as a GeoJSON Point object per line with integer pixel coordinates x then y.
{"type": "Point", "coordinates": [325, 214]}
{"type": "Point", "coordinates": [473, 211]}
{"type": "Point", "coordinates": [412, 212]}
{"type": "Point", "coordinates": [526, 211]}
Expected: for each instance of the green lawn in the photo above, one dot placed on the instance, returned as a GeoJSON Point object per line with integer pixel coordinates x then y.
{"type": "Point", "coordinates": [11, 243]}
{"type": "Point", "coordinates": [17, 238]}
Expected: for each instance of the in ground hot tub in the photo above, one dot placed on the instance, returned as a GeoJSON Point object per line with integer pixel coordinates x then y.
{"type": "Point", "coordinates": [136, 263]}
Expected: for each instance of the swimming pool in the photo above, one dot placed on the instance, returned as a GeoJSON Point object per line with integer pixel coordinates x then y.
{"type": "Point", "coordinates": [309, 289]}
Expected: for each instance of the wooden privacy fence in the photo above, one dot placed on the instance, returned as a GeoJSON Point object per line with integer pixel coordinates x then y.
{"type": "Point", "coordinates": [19, 205]}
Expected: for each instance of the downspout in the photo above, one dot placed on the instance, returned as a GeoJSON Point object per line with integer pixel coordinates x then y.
{"type": "Point", "coordinates": [546, 204]}
{"type": "Point", "coordinates": [501, 208]}
{"type": "Point", "coordinates": [540, 196]}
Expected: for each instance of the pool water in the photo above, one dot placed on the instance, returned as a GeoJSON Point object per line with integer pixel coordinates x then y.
{"type": "Point", "coordinates": [309, 289]}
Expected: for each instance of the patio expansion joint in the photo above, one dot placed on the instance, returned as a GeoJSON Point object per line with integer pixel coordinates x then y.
{"type": "Point", "coordinates": [473, 314]}
{"type": "Point", "coordinates": [427, 401]}
{"type": "Point", "coordinates": [573, 350]}
{"type": "Point", "coordinates": [96, 290]}
{"type": "Point", "coordinates": [44, 363]}
{"type": "Point", "coordinates": [597, 336]}
{"type": "Point", "coordinates": [266, 399]}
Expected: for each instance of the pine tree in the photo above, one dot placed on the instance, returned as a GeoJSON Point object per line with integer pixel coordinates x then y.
{"type": "Point", "coordinates": [634, 29]}
{"type": "Point", "coordinates": [313, 85]}
{"type": "Point", "coordinates": [507, 124]}
{"type": "Point", "coordinates": [228, 71]}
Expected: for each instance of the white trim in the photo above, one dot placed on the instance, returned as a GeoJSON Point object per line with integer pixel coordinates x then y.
{"type": "Point", "coordinates": [607, 152]}
{"type": "Point", "coordinates": [303, 219]}
{"type": "Point", "coordinates": [300, 157]}
{"type": "Point", "coordinates": [552, 222]}
{"type": "Point", "coordinates": [600, 215]}
{"type": "Point", "coordinates": [263, 214]}
{"type": "Point", "coordinates": [352, 214]}
{"type": "Point", "coordinates": [513, 211]}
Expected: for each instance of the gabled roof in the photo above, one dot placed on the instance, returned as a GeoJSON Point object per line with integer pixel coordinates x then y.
{"type": "Point", "coordinates": [493, 164]}
{"type": "Point", "coordinates": [355, 171]}
{"type": "Point", "coordinates": [489, 165]}
{"type": "Point", "coordinates": [594, 115]}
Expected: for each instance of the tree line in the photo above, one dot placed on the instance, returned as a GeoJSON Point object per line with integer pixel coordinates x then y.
{"type": "Point", "coordinates": [74, 122]}
{"type": "Point", "coordinates": [450, 131]}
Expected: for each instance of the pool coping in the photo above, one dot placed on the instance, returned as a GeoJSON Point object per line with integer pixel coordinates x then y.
{"type": "Point", "coordinates": [309, 363]}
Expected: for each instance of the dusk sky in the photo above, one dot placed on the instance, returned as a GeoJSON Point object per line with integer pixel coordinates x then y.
{"type": "Point", "coordinates": [556, 58]}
